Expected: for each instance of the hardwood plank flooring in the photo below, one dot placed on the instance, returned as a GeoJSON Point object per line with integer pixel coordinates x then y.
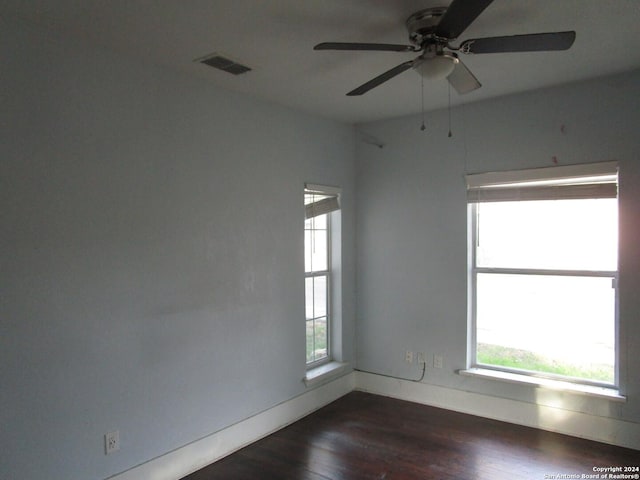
{"type": "Point", "coordinates": [364, 436]}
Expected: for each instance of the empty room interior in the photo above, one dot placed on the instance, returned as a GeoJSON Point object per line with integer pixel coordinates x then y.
{"type": "Point", "coordinates": [224, 221]}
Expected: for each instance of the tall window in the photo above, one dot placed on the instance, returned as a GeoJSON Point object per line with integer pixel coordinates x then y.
{"type": "Point", "coordinates": [543, 253]}
{"type": "Point", "coordinates": [319, 203]}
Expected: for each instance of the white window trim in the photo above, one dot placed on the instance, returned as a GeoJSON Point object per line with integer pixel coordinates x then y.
{"type": "Point", "coordinates": [319, 369]}
{"type": "Point", "coordinates": [511, 182]}
{"type": "Point", "coordinates": [609, 393]}
{"type": "Point", "coordinates": [326, 371]}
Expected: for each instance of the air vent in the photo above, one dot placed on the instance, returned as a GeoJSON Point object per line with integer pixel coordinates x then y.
{"type": "Point", "coordinates": [224, 64]}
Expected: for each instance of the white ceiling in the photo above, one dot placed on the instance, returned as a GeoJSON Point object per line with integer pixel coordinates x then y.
{"type": "Point", "coordinates": [276, 38]}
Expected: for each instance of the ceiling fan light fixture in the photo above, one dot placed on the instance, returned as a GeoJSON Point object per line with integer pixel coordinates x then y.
{"type": "Point", "coordinates": [431, 32]}
{"type": "Point", "coordinates": [437, 67]}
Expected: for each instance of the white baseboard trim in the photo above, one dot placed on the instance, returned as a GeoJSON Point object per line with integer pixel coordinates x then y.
{"type": "Point", "coordinates": [194, 456]}
{"type": "Point", "coordinates": [592, 427]}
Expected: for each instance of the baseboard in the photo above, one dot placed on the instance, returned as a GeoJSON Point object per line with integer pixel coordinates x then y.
{"type": "Point", "coordinates": [592, 427]}
{"type": "Point", "coordinates": [194, 456]}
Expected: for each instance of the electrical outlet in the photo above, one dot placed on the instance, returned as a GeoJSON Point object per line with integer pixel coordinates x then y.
{"type": "Point", "coordinates": [111, 442]}
{"type": "Point", "coordinates": [421, 358]}
{"type": "Point", "coordinates": [437, 361]}
{"type": "Point", "coordinates": [408, 356]}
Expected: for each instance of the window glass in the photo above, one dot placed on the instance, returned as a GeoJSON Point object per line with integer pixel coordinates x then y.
{"type": "Point", "coordinates": [316, 297]}
{"type": "Point", "coordinates": [316, 251]}
{"type": "Point", "coordinates": [560, 325]}
{"type": "Point", "coordinates": [548, 234]}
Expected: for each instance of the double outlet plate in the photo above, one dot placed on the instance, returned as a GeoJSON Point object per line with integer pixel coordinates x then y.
{"type": "Point", "coordinates": [437, 360]}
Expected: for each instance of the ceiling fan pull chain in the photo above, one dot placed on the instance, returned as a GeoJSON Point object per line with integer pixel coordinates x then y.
{"type": "Point", "coordinates": [449, 109]}
{"type": "Point", "coordinates": [423, 127]}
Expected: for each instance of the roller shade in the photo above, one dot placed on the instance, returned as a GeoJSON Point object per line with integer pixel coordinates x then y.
{"type": "Point", "coordinates": [320, 200]}
{"type": "Point", "coordinates": [596, 180]}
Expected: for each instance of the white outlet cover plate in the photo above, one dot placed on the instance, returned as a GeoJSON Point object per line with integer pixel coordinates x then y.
{"type": "Point", "coordinates": [437, 361]}
{"type": "Point", "coordinates": [111, 442]}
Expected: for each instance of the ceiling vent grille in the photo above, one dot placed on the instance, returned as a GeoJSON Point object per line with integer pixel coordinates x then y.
{"type": "Point", "coordinates": [224, 64]}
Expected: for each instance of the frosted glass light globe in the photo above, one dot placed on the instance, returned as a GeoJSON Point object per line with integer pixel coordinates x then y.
{"type": "Point", "coordinates": [437, 67]}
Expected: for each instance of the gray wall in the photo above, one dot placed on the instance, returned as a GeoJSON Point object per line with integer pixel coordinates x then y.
{"type": "Point", "coordinates": [412, 218]}
{"type": "Point", "coordinates": [152, 267]}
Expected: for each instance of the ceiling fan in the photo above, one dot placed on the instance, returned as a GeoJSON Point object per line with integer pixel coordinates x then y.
{"type": "Point", "coordinates": [431, 32]}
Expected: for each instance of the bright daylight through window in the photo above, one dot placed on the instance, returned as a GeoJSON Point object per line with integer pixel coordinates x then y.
{"type": "Point", "coordinates": [543, 254]}
{"type": "Point", "coordinates": [319, 205]}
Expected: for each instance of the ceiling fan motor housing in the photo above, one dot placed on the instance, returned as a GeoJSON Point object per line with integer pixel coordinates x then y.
{"type": "Point", "coordinates": [422, 24]}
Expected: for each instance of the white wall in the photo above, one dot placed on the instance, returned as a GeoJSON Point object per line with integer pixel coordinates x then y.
{"type": "Point", "coordinates": [411, 225]}
{"type": "Point", "coordinates": [151, 255]}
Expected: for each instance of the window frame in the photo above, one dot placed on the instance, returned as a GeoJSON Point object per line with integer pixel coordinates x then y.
{"type": "Point", "coordinates": [327, 274]}
{"type": "Point", "coordinates": [474, 200]}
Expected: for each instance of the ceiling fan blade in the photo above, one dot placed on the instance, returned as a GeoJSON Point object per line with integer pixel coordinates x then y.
{"type": "Point", "coordinates": [462, 80]}
{"type": "Point", "coordinates": [388, 75]}
{"type": "Point", "coordinates": [459, 15]}
{"type": "Point", "coordinates": [535, 42]}
{"type": "Point", "coordinates": [375, 47]}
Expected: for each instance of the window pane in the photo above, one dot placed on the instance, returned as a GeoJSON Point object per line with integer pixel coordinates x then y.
{"type": "Point", "coordinates": [308, 298]}
{"type": "Point", "coordinates": [316, 297]}
{"type": "Point", "coordinates": [553, 324]}
{"type": "Point", "coordinates": [550, 234]}
{"type": "Point", "coordinates": [316, 223]}
{"type": "Point", "coordinates": [320, 338]}
{"type": "Point", "coordinates": [310, 341]}
{"type": "Point", "coordinates": [316, 339]}
{"type": "Point", "coordinates": [319, 296]}
{"type": "Point", "coordinates": [307, 250]}
{"type": "Point", "coordinates": [315, 247]}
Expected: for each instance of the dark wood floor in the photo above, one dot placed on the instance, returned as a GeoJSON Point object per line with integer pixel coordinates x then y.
{"type": "Point", "coordinates": [364, 436]}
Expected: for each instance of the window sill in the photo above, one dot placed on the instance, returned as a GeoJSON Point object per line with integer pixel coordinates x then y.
{"type": "Point", "coordinates": [589, 390]}
{"type": "Point", "coordinates": [316, 375]}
